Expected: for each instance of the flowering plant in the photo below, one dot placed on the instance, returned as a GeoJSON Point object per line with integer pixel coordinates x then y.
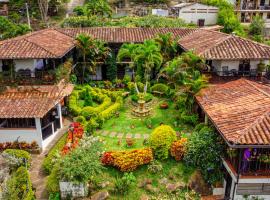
{"type": "Point", "coordinates": [75, 133]}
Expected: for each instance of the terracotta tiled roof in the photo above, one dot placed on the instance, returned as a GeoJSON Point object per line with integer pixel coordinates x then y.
{"type": "Point", "coordinates": [240, 110]}
{"type": "Point", "coordinates": [47, 43]}
{"type": "Point", "coordinates": [121, 35]}
{"type": "Point", "coordinates": [31, 101]}
{"type": "Point", "coordinates": [220, 46]}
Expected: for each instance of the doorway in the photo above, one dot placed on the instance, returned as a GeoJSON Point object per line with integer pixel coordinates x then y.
{"type": "Point", "coordinates": [201, 22]}
{"type": "Point", "coordinates": [244, 67]}
{"type": "Point", "coordinates": [228, 187]}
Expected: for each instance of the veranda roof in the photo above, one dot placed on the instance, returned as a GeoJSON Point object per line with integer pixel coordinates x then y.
{"type": "Point", "coordinates": [32, 101]}
{"type": "Point", "coordinates": [240, 110]}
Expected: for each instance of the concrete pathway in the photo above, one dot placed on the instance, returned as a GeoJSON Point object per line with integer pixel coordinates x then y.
{"type": "Point", "coordinates": [113, 134]}
{"type": "Point", "coordinates": [73, 4]}
{"type": "Point", "coordinates": [37, 175]}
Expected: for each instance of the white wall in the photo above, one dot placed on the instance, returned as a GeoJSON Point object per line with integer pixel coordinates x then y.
{"type": "Point", "coordinates": [23, 64]}
{"type": "Point", "coordinates": [192, 13]}
{"type": "Point", "coordinates": [234, 64]}
{"type": "Point", "coordinates": [28, 135]}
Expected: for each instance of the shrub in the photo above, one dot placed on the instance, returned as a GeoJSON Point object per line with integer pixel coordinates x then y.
{"type": "Point", "coordinates": [88, 101]}
{"type": "Point", "coordinates": [161, 139]}
{"type": "Point", "coordinates": [89, 111]}
{"type": "Point", "coordinates": [189, 118]}
{"type": "Point", "coordinates": [126, 79]}
{"type": "Point", "coordinates": [52, 184]}
{"type": "Point", "coordinates": [178, 149]}
{"type": "Point", "coordinates": [155, 167]}
{"type": "Point", "coordinates": [83, 163]}
{"type": "Point", "coordinates": [160, 87]}
{"type": "Point", "coordinates": [110, 111]}
{"type": "Point", "coordinates": [53, 155]}
{"type": "Point", "coordinates": [17, 158]}
{"type": "Point", "coordinates": [73, 104]}
{"type": "Point", "coordinates": [122, 185]}
{"type": "Point", "coordinates": [19, 186]}
{"type": "Point", "coordinates": [204, 150]}
{"type": "Point", "coordinates": [131, 87]}
{"type": "Point", "coordinates": [129, 160]}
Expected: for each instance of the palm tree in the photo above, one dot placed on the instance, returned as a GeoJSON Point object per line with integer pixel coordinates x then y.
{"type": "Point", "coordinates": [98, 7]}
{"type": "Point", "coordinates": [128, 50]}
{"type": "Point", "coordinates": [83, 43]}
{"type": "Point", "coordinates": [168, 45]}
{"type": "Point", "coordinates": [148, 54]}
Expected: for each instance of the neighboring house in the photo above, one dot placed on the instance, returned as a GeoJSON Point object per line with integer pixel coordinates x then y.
{"type": "Point", "coordinates": [240, 112]}
{"type": "Point", "coordinates": [247, 9]}
{"type": "Point", "coordinates": [197, 13]}
{"type": "Point", "coordinates": [4, 7]}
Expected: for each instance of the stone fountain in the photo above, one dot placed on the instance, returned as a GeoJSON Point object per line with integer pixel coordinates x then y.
{"type": "Point", "coordinates": [141, 110]}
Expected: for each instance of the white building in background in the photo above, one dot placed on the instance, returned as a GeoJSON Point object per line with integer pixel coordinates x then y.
{"type": "Point", "coordinates": [197, 13]}
{"type": "Point", "coordinates": [160, 12]}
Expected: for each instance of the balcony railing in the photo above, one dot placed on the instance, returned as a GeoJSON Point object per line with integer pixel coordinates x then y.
{"type": "Point", "coordinates": [257, 165]}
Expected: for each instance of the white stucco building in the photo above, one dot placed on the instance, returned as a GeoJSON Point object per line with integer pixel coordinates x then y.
{"type": "Point", "coordinates": [197, 13]}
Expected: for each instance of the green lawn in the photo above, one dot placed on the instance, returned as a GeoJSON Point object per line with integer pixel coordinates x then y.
{"type": "Point", "coordinates": [127, 123]}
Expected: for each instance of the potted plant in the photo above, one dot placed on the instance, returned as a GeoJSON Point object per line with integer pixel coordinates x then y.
{"type": "Point", "coordinates": [260, 68]}
{"type": "Point", "coordinates": [164, 105]}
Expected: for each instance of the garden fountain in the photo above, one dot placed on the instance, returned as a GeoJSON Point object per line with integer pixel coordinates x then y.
{"type": "Point", "coordinates": [141, 110]}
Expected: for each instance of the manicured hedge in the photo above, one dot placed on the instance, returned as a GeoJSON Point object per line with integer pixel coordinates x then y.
{"type": "Point", "coordinates": [160, 87]}
{"type": "Point", "coordinates": [17, 157]}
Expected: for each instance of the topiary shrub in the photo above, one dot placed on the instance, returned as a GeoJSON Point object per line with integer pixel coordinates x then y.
{"type": "Point", "coordinates": [178, 149]}
{"type": "Point", "coordinates": [19, 186]}
{"type": "Point", "coordinates": [161, 139]}
{"type": "Point", "coordinates": [17, 158]}
{"type": "Point", "coordinates": [73, 104]}
{"type": "Point", "coordinates": [160, 88]}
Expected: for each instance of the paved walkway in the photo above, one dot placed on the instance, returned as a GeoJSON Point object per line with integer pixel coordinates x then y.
{"type": "Point", "coordinates": [38, 177]}
{"type": "Point", "coordinates": [122, 135]}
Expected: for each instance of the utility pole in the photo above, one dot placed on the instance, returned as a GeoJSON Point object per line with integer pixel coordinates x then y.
{"type": "Point", "coordinates": [27, 13]}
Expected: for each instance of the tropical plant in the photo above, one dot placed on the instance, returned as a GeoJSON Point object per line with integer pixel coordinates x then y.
{"type": "Point", "coordinates": [257, 26]}
{"type": "Point", "coordinates": [123, 184]}
{"type": "Point", "coordinates": [99, 8]}
{"type": "Point", "coordinates": [149, 57]}
{"type": "Point", "coordinates": [168, 46]}
{"type": "Point", "coordinates": [161, 139]}
{"type": "Point", "coordinates": [83, 43]}
{"type": "Point", "coordinates": [128, 51]}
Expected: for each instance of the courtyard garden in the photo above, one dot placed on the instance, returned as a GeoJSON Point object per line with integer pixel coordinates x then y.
{"type": "Point", "coordinates": [138, 137]}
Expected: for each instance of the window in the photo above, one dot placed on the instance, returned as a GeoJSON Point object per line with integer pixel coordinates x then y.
{"type": "Point", "coordinates": [268, 16]}
{"type": "Point", "coordinates": [17, 123]}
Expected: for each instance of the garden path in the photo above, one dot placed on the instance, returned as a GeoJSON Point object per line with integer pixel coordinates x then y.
{"type": "Point", "coordinates": [113, 134]}
{"type": "Point", "coordinates": [37, 175]}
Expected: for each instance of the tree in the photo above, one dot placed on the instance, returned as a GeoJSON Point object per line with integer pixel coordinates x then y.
{"type": "Point", "coordinates": [83, 43]}
{"type": "Point", "coordinates": [149, 56]}
{"type": "Point", "coordinates": [128, 50]}
{"type": "Point", "coordinates": [257, 26]}
{"type": "Point", "coordinates": [168, 46]}
{"type": "Point", "coordinates": [99, 8]}
{"type": "Point", "coordinates": [9, 29]}
{"type": "Point", "coordinates": [43, 8]}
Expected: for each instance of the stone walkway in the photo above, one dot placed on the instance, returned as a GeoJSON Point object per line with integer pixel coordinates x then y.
{"type": "Point", "coordinates": [38, 177]}
{"type": "Point", "coordinates": [122, 135]}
